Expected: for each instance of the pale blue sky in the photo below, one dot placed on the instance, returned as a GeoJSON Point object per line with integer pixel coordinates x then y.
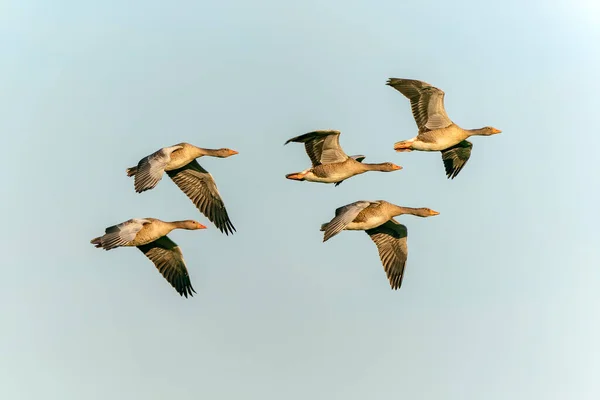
{"type": "Point", "coordinates": [501, 293]}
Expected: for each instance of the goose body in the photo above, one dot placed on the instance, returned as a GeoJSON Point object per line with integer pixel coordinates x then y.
{"type": "Point", "coordinates": [376, 218]}
{"type": "Point", "coordinates": [437, 132]}
{"type": "Point", "coordinates": [180, 164]}
{"type": "Point", "coordinates": [330, 164]}
{"type": "Point", "coordinates": [150, 236]}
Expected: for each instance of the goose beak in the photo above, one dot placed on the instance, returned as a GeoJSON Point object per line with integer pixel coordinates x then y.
{"type": "Point", "coordinates": [233, 152]}
{"type": "Point", "coordinates": [298, 176]}
{"type": "Point", "coordinates": [432, 212]}
{"type": "Point", "coordinates": [396, 167]}
{"type": "Point", "coordinates": [200, 226]}
{"type": "Point", "coordinates": [495, 131]}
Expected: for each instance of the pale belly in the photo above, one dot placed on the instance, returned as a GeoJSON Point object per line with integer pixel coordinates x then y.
{"type": "Point", "coordinates": [331, 178]}
{"type": "Point", "coordinates": [373, 222]}
{"type": "Point", "coordinates": [440, 139]}
{"type": "Point", "coordinates": [441, 144]}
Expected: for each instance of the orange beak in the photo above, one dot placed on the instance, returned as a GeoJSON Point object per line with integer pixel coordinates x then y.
{"type": "Point", "coordinates": [200, 226]}
{"type": "Point", "coordinates": [297, 176]}
{"type": "Point", "coordinates": [432, 212]}
{"type": "Point", "coordinates": [396, 167]}
{"type": "Point", "coordinates": [496, 131]}
{"type": "Point", "coordinates": [233, 152]}
{"type": "Point", "coordinates": [403, 146]}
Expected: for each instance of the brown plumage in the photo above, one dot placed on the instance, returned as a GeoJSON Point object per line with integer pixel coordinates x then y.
{"type": "Point", "coordinates": [179, 161]}
{"type": "Point", "coordinates": [329, 162]}
{"type": "Point", "coordinates": [150, 236]}
{"type": "Point", "coordinates": [436, 131]}
{"type": "Point", "coordinates": [376, 218]}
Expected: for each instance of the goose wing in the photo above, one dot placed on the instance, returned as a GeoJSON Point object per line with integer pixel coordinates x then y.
{"type": "Point", "coordinates": [426, 102]}
{"type": "Point", "coordinates": [150, 169]}
{"type": "Point", "coordinates": [390, 239]}
{"type": "Point", "coordinates": [168, 259]}
{"type": "Point", "coordinates": [456, 157]}
{"type": "Point", "coordinates": [322, 147]}
{"type": "Point", "coordinates": [200, 187]}
{"type": "Point", "coordinates": [343, 216]}
{"type": "Point", "coordinates": [120, 234]}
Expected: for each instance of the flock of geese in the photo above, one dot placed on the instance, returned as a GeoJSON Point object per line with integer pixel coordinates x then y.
{"type": "Point", "coordinates": [330, 164]}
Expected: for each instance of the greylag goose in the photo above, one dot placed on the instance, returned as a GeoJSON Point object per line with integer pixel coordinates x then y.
{"type": "Point", "coordinates": [377, 219]}
{"type": "Point", "coordinates": [329, 162]}
{"type": "Point", "coordinates": [179, 161]}
{"type": "Point", "coordinates": [436, 131]}
{"type": "Point", "coordinates": [150, 236]}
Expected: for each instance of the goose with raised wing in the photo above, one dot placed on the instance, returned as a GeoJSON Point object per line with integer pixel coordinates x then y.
{"type": "Point", "coordinates": [376, 218]}
{"type": "Point", "coordinates": [150, 236]}
{"type": "Point", "coordinates": [329, 162]}
{"type": "Point", "coordinates": [436, 131]}
{"type": "Point", "coordinates": [179, 162]}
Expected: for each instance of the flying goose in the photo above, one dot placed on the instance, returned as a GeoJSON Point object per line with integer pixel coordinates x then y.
{"type": "Point", "coordinates": [436, 131]}
{"type": "Point", "coordinates": [377, 219]}
{"type": "Point", "coordinates": [179, 161]}
{"type": "Point", "coordinates": [150, 236]}
{"type": "Point", "coordinates": [329, 162]}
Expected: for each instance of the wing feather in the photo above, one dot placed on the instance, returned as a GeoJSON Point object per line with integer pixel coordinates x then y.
{"type": "Point", "coordinates": [150, 169]}
{"type": "Point", "coordinates": [391, 241]}
{"type": "Point", "coordinates": [168, 259]}
{"type": "Point", "coordinates": [456, 157]}
{"type": "Point", "coordinates": [200, 187]}
{"type": "Point", "coordinates": [343, 216]}
{"type": "Point", "coordinates": [322, 147]}
{"type": "Point", "coordinates": [120, 234]}
{"type": "Point", "coordinates": [426, 101]}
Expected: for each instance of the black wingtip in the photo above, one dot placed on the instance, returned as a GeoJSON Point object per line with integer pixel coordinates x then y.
{"type": "Point", "coordinates": [326, 237]}
{"type": "Point", "coordinates": [453, 173]}
{"type": "Point", "coordinates": [227, 229]}
{"type": "Point", "coordinates": [187, 291]}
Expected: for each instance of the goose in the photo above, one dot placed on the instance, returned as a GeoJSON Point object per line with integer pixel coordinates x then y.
{"type": "Point", "coordinates": [150, 236]}
{"type": "Point", "coordinates": [329, 162]}
{"type": "Point", "coordinates": [436, 131]}
{"type": "Point", "coordinates": [376, 218]}
{"type": "Point", "coordinates": [179, 161]}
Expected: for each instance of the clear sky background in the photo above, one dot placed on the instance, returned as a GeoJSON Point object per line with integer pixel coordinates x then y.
{"type": "Point", "coordinates": [501, 294]}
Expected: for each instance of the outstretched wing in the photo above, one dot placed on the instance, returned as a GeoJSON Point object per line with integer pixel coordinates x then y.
{"type": "Point", "coordinates": [426, 101]}
{"type": "Point", "coordinates": [200, 187]}
{"type": "Point", "coordinates": [120, 234]}
{"type": "Point", "coordinates": [168, 259]}
{"type": "Point", "coordinates": [391, 242]}
{"type": "Point", "coordinates": [456, 157]}
{"type": "Point", "coordinates": [150, 169]}
{"type": "Point", "coordinates": [343, 216]}
{"type": "Point", "coordinates": [322, 147]}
